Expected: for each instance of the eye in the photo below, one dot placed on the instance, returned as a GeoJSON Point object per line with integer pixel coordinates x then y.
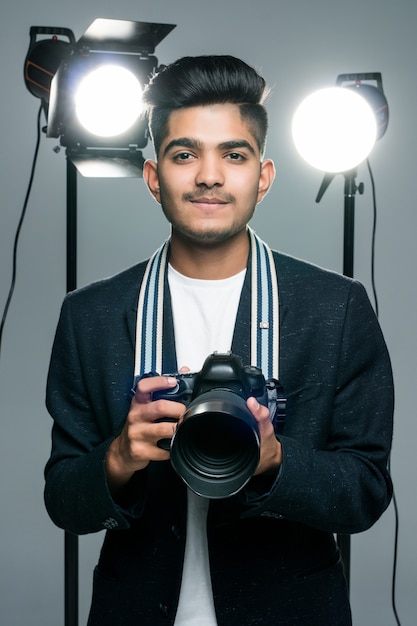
{"type": "Point", "coordinates": [236, 156]}
{"type": "Point", "coordinates": [182, 156]}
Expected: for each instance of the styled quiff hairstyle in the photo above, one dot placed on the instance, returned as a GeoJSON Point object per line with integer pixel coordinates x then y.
{"type": "Point", "coordinates": [205, 80]}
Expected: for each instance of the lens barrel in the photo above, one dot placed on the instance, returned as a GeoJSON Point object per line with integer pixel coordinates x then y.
{"type": "Point", "coordinates": [216, 448]}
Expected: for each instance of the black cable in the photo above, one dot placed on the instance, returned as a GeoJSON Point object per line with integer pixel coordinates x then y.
{"type": "Point", "coordinates": [395, 557]}
{"type": "Point", "coordinates": [373, 238]}
{"type": "Point", "coordinates": [19, 227]}
{"type": "Point", "coordinates": [394, 500]}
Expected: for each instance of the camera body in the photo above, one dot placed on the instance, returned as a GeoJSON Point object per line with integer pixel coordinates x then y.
{"type": "Point", "coordinates": [220, 371]}
{"type": "Point", "coordinates": [216, 446]}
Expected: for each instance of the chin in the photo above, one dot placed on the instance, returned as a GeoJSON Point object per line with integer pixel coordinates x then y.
{"type": "Point", "coordinates": [209, 235]}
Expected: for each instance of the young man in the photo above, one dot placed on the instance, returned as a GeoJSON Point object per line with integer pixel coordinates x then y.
{"type": "Point", "coordinates": [265, 554]}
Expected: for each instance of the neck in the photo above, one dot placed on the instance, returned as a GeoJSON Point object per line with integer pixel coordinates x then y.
{"type": "Point", "coordinates": [212, 260]}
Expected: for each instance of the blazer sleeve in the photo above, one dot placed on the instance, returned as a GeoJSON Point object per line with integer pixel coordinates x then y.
{"type": "Point", "coordinates": [88, 387]}
{"type": "Point", "coordinates": [337, 438]}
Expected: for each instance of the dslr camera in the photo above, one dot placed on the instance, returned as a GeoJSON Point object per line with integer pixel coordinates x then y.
{"type": "Point", "coordinates": [216, 447]}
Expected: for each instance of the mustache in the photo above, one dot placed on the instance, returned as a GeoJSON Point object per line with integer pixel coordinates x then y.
{"type": "Point", "coordinates": [193, 196]}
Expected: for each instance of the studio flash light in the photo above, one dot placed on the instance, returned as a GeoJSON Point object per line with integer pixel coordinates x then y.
{"type": "Point", "coordinates": [94, 92]}
{"type": "Point", "coordinates": [334, 129]}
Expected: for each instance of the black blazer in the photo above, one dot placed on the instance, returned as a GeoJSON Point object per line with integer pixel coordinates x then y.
{"type": "Point", "coordinates": [336, 374]}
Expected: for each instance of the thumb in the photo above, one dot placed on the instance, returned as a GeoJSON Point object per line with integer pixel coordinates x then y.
{"type": "Point", "coordinates": [259, 411]}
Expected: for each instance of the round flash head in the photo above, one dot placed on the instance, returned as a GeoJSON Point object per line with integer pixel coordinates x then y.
{"type": "Point", "coordinates": [108, 101]}
{"type": "Point", "coordinates": [334, 129]}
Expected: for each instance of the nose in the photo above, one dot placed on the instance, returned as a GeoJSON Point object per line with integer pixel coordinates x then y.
{"type": "Point", "coordinates": [209, 172]}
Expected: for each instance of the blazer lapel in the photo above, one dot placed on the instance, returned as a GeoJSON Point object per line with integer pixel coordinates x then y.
{"type": "Point", "coordinates": [169, 360]}
{"type": "Point", "coordinates": [242, 332]}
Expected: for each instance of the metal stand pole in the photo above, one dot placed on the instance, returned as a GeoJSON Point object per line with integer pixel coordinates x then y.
{"type": "Point", "coordinates": [349, 223]}
{"type": "Point", "coordinates": [350, 189]}
{"type": "Point", "coordinates": [71, 541]}
{"type": "Point", "coordinates": [348, 255]}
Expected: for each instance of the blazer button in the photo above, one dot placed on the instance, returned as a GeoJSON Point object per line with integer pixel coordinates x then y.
{"type": "Point", "coordinates": [110, 523]}
{"type": "Point", "coordinates": [176, 532]}
{"type": "Point", "coordinates": [164, 609]}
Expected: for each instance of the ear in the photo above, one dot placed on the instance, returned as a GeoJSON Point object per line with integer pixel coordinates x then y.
{"type": "Point", "coordinates": [266, 178]}
{"type": "Point", "coordinates": [151, 178]}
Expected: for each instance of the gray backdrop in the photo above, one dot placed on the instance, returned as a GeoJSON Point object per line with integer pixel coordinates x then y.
{"type": "Point", "coordinates": [299, 45]}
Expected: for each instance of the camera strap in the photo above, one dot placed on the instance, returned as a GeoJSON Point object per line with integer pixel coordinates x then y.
{"type": "Point", "coordinates": [264, 311]}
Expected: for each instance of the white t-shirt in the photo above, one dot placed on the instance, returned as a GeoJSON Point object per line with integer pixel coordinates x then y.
{"type": "Point", "coordinates": [204, 313]}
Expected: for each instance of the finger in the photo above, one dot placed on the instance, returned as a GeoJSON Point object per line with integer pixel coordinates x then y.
{"type": "Point", "coordinates": [262, 417]}
{"type": "Point", "coordinates": [271, 454]}
{"type": "Point", "coordinates": [259, 411]}
{"type": "Point", "coordinates": [165, 442]}
{"type": "Point", "coordinates": [142, 442]}
{"type": "Point", "coordinates": [155, 411]}
{"type": "Point", "coordinates": [147, 386]}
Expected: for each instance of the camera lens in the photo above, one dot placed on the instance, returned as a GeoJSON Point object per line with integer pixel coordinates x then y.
{"type": "Point", "coordinates": [216, 448]}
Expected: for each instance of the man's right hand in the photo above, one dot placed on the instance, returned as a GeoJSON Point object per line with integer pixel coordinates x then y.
{"type": "Point", "coordinates": [137, 444]}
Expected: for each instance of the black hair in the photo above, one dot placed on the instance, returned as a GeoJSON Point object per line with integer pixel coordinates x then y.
{"type": "Point", "coordinates": [205, 80]}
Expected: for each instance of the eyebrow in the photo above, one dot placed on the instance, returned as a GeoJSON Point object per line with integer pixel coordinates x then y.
{"type": "Point", "coordinates": [236, 145]}
{"type": "Point", "coordinates": [187, 142]}
{"type": "Point", "coordinates": [183, 142]}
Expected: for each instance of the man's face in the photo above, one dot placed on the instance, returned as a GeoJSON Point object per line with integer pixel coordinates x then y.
{"type": "Point", "coordinates": [209, 176]}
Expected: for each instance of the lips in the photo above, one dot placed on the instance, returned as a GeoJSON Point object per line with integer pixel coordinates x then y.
{"type": "Point", "coordinates": [209, 201]}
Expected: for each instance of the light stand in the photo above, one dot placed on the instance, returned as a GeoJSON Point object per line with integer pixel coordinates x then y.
{"type": "Point", "coordinates": [320, 118]}
{"type": "Point", "coordinates": [350, 189]}
{"type": "Point", "coordinates": [51, 69]}
{"type": "Point", "coordinates": [71, 540]}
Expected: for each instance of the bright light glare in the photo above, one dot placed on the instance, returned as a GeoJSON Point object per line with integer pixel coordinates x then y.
{"type": "Point", "coordinates": [334, 129]}
{"type": "Point", "coordinates": [108, 100]}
